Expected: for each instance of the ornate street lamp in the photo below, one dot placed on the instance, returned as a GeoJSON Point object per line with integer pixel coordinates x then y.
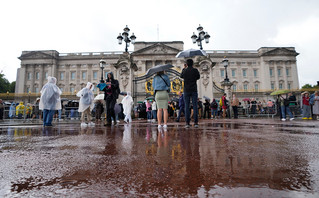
{"type": "Point", "coordinates": [225, 63]}
{"type": "Point", "coordinates": [127, 39]}
{"type": "Point", "coordinates": [102, 66]}
{"type": "Point", "coordinates": [201, 36]}
{"type": "Point", "coordinates": [7, 95]}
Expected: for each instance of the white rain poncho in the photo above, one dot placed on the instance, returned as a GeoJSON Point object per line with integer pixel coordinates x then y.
{"type": "Point", "coordinates": [50, 95]}
{"type": "Point", "coordinates": [87, 97]}
{"type": "Point", "coordinates": [127, 104]}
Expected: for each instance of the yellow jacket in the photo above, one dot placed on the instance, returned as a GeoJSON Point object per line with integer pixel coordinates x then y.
{"type": "Point", "coordinates": [20, 109]}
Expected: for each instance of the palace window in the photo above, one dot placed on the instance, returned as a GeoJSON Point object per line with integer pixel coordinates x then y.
{"type": "Point", "coordinates": [289, 85]}
{"type": "Point", "coordinates": [46, 75]}
{"type": "Point", "coordinates": [244, 72]}
{"type": "Point", "coordinates": [272, 85]}
{"type": "Point", "coordinates": [279, 72]}
{"type": "Point", "coordinates": [95, 75]}
{"type": "Point", "coordinates": [222, 73]}
{"type": "Point", "coordinates": [234, 87]}
{"type": "Point", "coordinates": [83, 75]}
{"type": "Point", "coordinates": [73, 75]}
{"type": "Point", "coordinates": [62, 76]}
{"type": "Point", "coordinates": [37, 75]}
{"type": "Point", "coordinates": [256, 87]}
{"type": "Point", "coordinates": [245, 87]}
{"type": "Point", "coordinates": [37, 90]}
{"type": "Point", "coordinates": [270, 72]}
{"type": "Point", "coordinates": [233, 72]}
{"type": "Point", "coordinates": [29, 76]}
{"type": "Point", "coordinates": [280, 86]}
{"type": "Point", "coordinates": [71, 89]}
{"type": "Point", "coordinates": [287, 72]}
{"type": "Point", "coordinates": [255, 73]}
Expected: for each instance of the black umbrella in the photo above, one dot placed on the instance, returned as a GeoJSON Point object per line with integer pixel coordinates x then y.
{"type": "Point", "coordinates": [158, 68]}
{"type": "Point", "coordinates": [190, 53]}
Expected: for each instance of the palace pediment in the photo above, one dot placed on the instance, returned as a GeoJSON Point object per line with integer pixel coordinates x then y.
{"type": "Point", "coordinates": [36, 55]}
{"type": "Point", "coordinates": [280, 52]}
{"type": "Point", "coordinates": [157, 48]}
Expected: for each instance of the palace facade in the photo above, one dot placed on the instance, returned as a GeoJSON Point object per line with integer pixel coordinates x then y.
{"type": "Point", "coordinates": [253, 73]}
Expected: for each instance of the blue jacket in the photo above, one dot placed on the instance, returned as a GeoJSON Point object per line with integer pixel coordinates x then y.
{"type": "Point", "coordinates": [159, 84]}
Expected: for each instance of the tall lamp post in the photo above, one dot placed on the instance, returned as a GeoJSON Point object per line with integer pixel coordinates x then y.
{"type": "Point", "coordinates": [201, 36]}
{"type": "Point", "coordinates": [225, 63]}
{"type": "Point", "coordinates": [127, 39]}
{"type": "Point", "coordinates": [7, 95]}
{"type": "Point", "coordinates": [102, 66]}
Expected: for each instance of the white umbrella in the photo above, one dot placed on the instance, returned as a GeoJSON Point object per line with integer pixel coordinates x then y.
{"type": "Point", "coordinates": [190, 53]}
{"type": "Point", "coordinates": [99, 97]}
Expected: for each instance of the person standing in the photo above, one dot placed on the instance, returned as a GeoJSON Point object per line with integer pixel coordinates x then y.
{"type": "Point", "coordinates": [50, 100]}
{"type": "Point", "coordinates": [86, 104]}
{"type": "Point", "coordinates": [127, 103]}
{"type": "Point", "coordinates": [154, 111]}
{"type": "Point", "coordinates": [306, 106]}
{"type": "Point", "coordinates": [284, 107]}
{"type": "Point", "coordinates": [161, 87]}
{"type": "Point", "coordinates": [214, 107]}
{"type": "Point", "coordinates": [181, 105]}
{"type": "Point", "coordinates": [190, 76]}
{"type": "Point", "coordinates": [224, 105]}
{"type": "Point", "coordinates": [20, 110]}
{"type": "Point", "coordinates": [12, 111]}
{"type": "Point", "coordinates": [207, 109]}
{"type": "Point", "coordinates": [111, 93]}
{"type": "Point", "coordinates": [98, 110]}
{"type": "Point", "coordinates": [148, 110]}
{"type": "Point", "coordinates": [235, 104]}
{"type": "Point", "coordinates": [315, 107]}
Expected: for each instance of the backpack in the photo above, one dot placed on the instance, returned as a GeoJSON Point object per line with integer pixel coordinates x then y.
{"type": "Point", "coordinates": [214, 105]}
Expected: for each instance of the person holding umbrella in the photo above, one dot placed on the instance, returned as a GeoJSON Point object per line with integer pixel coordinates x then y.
{"type": "Point", "coordinates": [161, 87]}
{"type": "Point", "coordinates": [190, 76]}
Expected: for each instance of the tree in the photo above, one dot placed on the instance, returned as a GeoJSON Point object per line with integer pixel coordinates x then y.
{"type": "Point", "coordinates": [5, 85]}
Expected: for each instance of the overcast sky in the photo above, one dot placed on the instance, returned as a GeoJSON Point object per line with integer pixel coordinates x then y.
{"type": "Point", "coordinates": [93, 25]}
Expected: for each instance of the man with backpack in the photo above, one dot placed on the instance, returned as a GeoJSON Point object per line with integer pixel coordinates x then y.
{"type": "Point", "coordinates": [214, 107]}
{"type": "Point", "coordinates": [111, 94]}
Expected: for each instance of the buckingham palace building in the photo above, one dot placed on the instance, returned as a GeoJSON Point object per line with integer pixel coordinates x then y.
{"type": "Point", "coordinates": [253, 73]}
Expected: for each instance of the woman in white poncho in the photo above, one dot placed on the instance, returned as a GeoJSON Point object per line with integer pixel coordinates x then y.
{"type": "Point", "coordinates": [127, 103]}
{"type": "Point", "coordinates": [86, 104]}
{"type": "Point", "coordinates": [50, 100]}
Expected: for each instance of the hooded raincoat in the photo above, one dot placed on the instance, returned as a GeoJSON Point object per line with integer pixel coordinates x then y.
{"type": "Point", "coordinates": [12, 110]}
{"type": "Point", "coordinates": [50, 95]}
{"type": "Point", "coordinates": [127, 103]}
{"type": "Point", "coordinates": [87, 97]}
{"type": "Point", "coordinates": [20, 108]}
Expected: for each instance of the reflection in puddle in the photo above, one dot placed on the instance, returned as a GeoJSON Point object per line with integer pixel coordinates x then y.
{"type": "Point", "coordinates": [219, 159]}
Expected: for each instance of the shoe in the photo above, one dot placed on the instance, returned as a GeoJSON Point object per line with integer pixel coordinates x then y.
{"type": "Point", "coordinates": [149, 120]}
{"type": "Point", "coordinates": [176, 120]}
{"type": "Point", "coordinates": [310, 118]}
{"type": "Point", "coordinates": [165, 126]}
{"type": "Point", "coordinates": [117, 121]}
{"type": "Point", "coordinates": [283, 119]}
{"type": "Point", "coordinates": [108, 124]}
{"type": "Point", "coordinates": [305, 118]}
{"type": "Point", "coordinates": [60, 120]}
{"type": "Point", "coordinates": [91, 124]}
{"type": "Point", "coordinates": [187, 126]}
{"type": "Point", "coordinates": [291, 119]}
{"type": "Point", "coordinates": [196, 126]}
{"type": "Point", "coordinates": [153, 121]}
{"type": "Point", "coordinates": [159, 126]}
{"type": "Point", "coordinates": [83, 124]}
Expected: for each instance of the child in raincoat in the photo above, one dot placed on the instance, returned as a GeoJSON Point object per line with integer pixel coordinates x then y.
{"type": "Point", "coordinates": [50, 100]}
{"type": "Point", "coordinates": [86, 104]}
{"type": "Point", "coordinates": [127, 103]}
{"type": "Point", "coordinates": [20, 110]}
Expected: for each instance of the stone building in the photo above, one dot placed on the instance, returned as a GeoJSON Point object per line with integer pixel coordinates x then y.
{"type": "Point", "coordinates": [253, 73]}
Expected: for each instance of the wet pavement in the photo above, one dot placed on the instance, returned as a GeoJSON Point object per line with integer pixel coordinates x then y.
{"type": "Point", "coordinates": [221, 158]}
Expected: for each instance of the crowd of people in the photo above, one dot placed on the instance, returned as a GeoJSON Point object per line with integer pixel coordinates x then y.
{"type": "Point", "coordinates": [187, 106]}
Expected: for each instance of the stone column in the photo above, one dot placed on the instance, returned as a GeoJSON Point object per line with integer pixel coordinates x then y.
{"type": "Point", "coordinates": [32, 89]}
